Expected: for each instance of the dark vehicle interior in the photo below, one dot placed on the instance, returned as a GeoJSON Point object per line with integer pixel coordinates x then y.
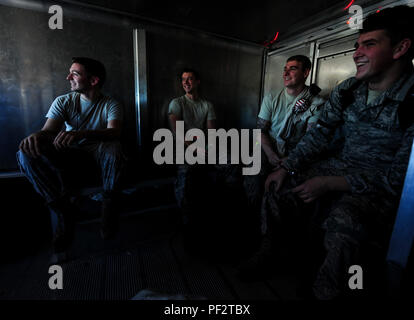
{"type": "Point", "coordinates": [240, 49]}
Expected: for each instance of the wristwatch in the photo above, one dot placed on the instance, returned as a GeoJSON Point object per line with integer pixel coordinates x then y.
{"type": "Point", "coordinates": [289, 172]}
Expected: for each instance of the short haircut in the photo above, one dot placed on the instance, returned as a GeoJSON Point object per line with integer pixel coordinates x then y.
{"type": "Point", "coordinates": [397, 22]}
{"type": "Point", "coordinates": [93, 68]}
{"type": "Point", "coordinates": [194, 72]}
{"type": "Point", "coordinates": [306, 63]}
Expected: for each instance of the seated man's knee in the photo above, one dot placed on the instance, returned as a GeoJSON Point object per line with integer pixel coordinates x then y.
{"type": "Point", "coordinates": [112, 151]}
{"type": "Point", "coordinates": [342, 228]}
{"type": "Point", "coordinates": [24, 160]}
{"type": "Point", "coordinates": [111, 146]}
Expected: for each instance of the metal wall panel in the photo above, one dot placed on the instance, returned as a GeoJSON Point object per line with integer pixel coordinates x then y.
{"type": "Point", "coordinates": [334, 62]}
{"type": "Point", "coordinates": [344, 44]}
{"type": "Point", "coordinates": [332, 70]}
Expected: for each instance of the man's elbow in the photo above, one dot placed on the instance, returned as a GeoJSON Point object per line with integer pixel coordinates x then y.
{"type": "Point", "coordinates": [264, 135]}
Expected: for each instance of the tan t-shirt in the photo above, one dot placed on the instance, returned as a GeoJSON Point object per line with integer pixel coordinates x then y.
{"type": "Point", "coordinates": [286, 127]}
{"type": "Point", "coordinates": [194, 113]}
{"type": "Point", "coordinates": [372, 96]}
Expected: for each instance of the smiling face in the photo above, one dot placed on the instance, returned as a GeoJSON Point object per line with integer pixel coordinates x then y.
{"type": "Point", "coordinates": [373, 56]}
{"type": "Point", "coordinates": [293, 74]}
{"type": "Point", "coordinates": [190, 82]}
{"type": "Point", "coordinates": [79, 80]}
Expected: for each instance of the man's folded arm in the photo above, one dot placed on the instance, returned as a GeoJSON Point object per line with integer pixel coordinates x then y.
{"type": "Point", "coordinates": [318, 139]}
{"type": "Point", "coordinates": [112, 131]}
{"type": "Point", "coordinates": [389, 180]}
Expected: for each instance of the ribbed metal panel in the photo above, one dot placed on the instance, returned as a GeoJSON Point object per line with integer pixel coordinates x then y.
{"type": "Point", "coordinates": [160, 268]}
{"type": "Point", "coordinates": [123, 276]}
{"type": "Point", "coordinates": [161, 271]}
{"type": "Point", "coordinates": [81, 280]}
{"type": "Point", "coordinates": [202, 277]}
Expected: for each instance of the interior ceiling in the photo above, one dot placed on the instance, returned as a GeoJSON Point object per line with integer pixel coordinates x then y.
{"type": "Point", "coordinates": [255, 21]}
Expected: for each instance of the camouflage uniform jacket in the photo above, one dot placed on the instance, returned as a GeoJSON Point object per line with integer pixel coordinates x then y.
{"type": "Point", "coordinates": [376, 149]}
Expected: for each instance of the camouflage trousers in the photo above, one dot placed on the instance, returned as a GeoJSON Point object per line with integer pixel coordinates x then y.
{"type": "Point", "coordinates": [344, 220]}
{"type": "Point", "coordinates": [254, 184]}
{"type": "Point", "coordinates": [55, 173]}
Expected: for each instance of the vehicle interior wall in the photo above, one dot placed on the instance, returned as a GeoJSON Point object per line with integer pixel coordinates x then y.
{"type": "Point", "coordinates": [334, 62]}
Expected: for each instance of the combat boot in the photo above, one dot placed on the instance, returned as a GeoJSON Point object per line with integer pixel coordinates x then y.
{"type": "Point", "coordinates": [109, 217]}
{"type": "Point", "coordinates": [64, 230]}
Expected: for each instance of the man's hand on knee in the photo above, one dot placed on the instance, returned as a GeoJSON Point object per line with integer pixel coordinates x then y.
{"type": "Point", "coordinates": [31, 145]}
{"type": "Point", "coordinates": [317, 186]}
{"type": "Point", "coordinates": [312, 188]}
{"type": "Point", "coordinates": [278, 177]}
{"type": "Point", "coordinates": [65, 138]}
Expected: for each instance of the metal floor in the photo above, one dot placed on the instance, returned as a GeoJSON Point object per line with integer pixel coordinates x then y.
{"type": "Point", "coordinates": [146, 261]}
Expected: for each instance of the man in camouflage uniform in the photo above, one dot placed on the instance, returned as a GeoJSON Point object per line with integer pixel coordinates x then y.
{"type": "Point", "coordinates": [284, 117]}
{"type": "Point", "coordinates": [360, 187]}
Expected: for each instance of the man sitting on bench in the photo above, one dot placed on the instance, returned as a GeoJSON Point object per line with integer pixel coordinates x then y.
{"type": "Point", "coordinates": [93, 128]}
